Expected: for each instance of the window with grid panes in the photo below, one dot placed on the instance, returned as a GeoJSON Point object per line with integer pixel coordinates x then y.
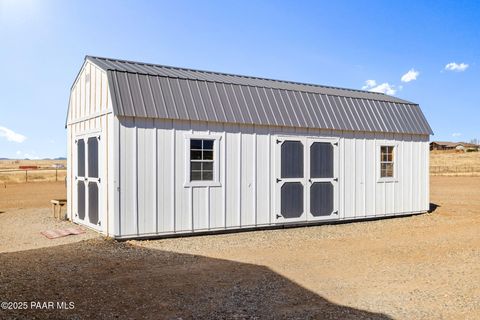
{"type": "Point", "coordinates": [386, 161]}
{"type": "Point", "coordinates": [201, 160]}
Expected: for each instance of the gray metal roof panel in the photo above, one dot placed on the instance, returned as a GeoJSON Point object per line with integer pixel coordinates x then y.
{"type": "Point", "coordinates": [167, 71]}
{"type": "Point", "coordinates": [359, 113]}
{"type": "Point", "coordinates": [160, 107]}
{"type": "Point", "coordinates": [147, 90]}
{"type": "Point", "coordinates": [406, 126]}
{"type": "Point", "coordinates": [168, 98]}
{"type": "Point", "coordinates": [197, 100]}
{"type": "Point", "coordinates": [387, 116]}
{"type": "Point", "coordinates": [271, 116]}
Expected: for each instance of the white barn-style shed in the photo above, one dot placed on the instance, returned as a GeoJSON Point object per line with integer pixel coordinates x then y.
{"type": "Point", "coordinates": [156, 150]}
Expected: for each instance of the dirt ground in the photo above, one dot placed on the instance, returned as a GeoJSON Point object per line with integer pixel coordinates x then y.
{"type": "Point", "coordinates": [420, 267]}
{"type": "Point", "coordinates": [30, 195]}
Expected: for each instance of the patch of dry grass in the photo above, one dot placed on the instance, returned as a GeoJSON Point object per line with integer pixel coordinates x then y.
{"type": "Point", "coordinates": [10, 172]}
{"type": "Point", "coordinates": [14, 164]}
{"type": "Point", "coordinates": [455, 163]}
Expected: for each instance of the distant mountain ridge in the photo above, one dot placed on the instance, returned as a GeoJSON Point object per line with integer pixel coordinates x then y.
{"type": "Point", "coordinates": [58, 158]}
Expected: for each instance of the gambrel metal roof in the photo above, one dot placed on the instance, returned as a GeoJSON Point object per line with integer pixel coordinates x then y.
{"type": "Point", "coordinates": [156, 91]}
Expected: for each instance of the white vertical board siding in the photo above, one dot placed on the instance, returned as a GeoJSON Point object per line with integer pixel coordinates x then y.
{"type": "Point", "coordinates": [128, 177]}
{"type": "Point", "coordinates": [89, 96]}
{"type": "Point", "coordinates": [426, 150]}
{"type": "Point", "coordinates": [164, 176]}
{"type": "Point", "coordinates": [89, 111]}
{"type": "Point", "coordinates": [348, 179]}
{"type": "Point", "coordinates": [233, 176]}
{"type": "Point", "coordinates": [146, 178]}
{"type": "Point", "coordinates": [369, 164]}
{"type": "Point", "coordinates": [183, 196]}
{"type": "Point", "coordinates": [248, 165]}
{"type": "Point", "coordinates": [416, 168]}
{"type": "Point", "coordinates": [263, 176]}
{"type": "Point", "coordinates": [70, 174]}
{"type": "Point", "coordinates": [155, 198]}
{"type": "Point", "coordinates": [359, 176]}
{"type": "Point", "coordinates": [398, 203]}
{"type": "Point", "coordinates": [215, 207]}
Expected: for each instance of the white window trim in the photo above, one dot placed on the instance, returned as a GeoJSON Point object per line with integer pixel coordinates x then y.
{"type": "Point", "coordinates": [379, 145]}
{"type": "Point", "coordinates": [216, 161]}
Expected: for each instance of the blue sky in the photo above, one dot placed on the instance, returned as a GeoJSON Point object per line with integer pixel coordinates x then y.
{"type": "Point", "coordinates": [338, 43]}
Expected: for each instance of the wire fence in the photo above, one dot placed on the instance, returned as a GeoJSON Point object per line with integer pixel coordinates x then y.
{"type": "Point", "coordinates": [59, 174]}
{"type": "Point", "coordinates": [464, 170]}
{"type": "Point", "coordinates": [32, 175]}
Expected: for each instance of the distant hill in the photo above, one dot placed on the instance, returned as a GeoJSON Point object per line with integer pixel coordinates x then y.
{"type": "Point", "coordinates": [59, 158]}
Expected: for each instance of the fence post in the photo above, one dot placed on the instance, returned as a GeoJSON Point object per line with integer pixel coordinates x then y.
{"type": "Point", "coordinates": [26, 175]}
{"type": "Point", "coordinates": [56, 175]}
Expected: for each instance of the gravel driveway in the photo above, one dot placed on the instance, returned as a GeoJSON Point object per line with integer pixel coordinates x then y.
{"type": "Point", "coordinates": [420, 267]}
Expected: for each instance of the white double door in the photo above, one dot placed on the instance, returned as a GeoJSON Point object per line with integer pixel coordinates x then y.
{"type": "Point", "coordinates": [306, 179]}
{"type": "Point", "coordinates": [87, 181]}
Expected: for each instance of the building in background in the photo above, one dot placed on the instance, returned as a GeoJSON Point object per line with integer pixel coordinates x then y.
{"type": "Point", "coordinates": [444, 145]}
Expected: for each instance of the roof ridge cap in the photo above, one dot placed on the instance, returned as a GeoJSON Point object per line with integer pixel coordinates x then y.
{"type": "Point", "coordinates": [236, 75]}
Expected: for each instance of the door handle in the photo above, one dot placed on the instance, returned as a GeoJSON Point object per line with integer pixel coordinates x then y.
{"type": "Point", "coordinates": [279, 216]}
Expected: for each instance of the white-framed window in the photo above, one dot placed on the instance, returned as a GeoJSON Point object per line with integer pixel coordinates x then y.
{"type": "Point", "coordinates": [202, 157]}
{"type": "Point", "coordinates": [387, 165]}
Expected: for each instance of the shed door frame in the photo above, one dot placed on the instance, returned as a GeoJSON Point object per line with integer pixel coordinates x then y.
{"type": "Point", "coordinates": [87, 180]}
{"type": "Point", "coordinates": [306, 181]}
{"type": "Point", "coordinates": [333, 179]}
{"type": "Point", "coordinates": [282, 182]}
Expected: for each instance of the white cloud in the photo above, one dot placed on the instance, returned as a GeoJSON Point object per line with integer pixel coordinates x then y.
{"type": "Point", "coordinates": [371, 85]}
{"type": "Point", "coordinates": [456, 134]}
{"type": "Point", "coordinates": [411, 75]}
{"type": "Point", "coordinates": [26, 155]}
{"type": "Point", "coordinates": [10, 135]}
{"type": "Point", "coordinates": [453, 66]}
{"type": "Point", "coordinates": [384, 88]}
{"type": "Point", "coordinates": [30, 156]}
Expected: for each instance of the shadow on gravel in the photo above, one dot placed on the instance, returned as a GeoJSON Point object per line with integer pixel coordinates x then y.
{"type": "Point", "coordinates": [433, 207]}
{"type": "Point", "coordinates": [110, 280]}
